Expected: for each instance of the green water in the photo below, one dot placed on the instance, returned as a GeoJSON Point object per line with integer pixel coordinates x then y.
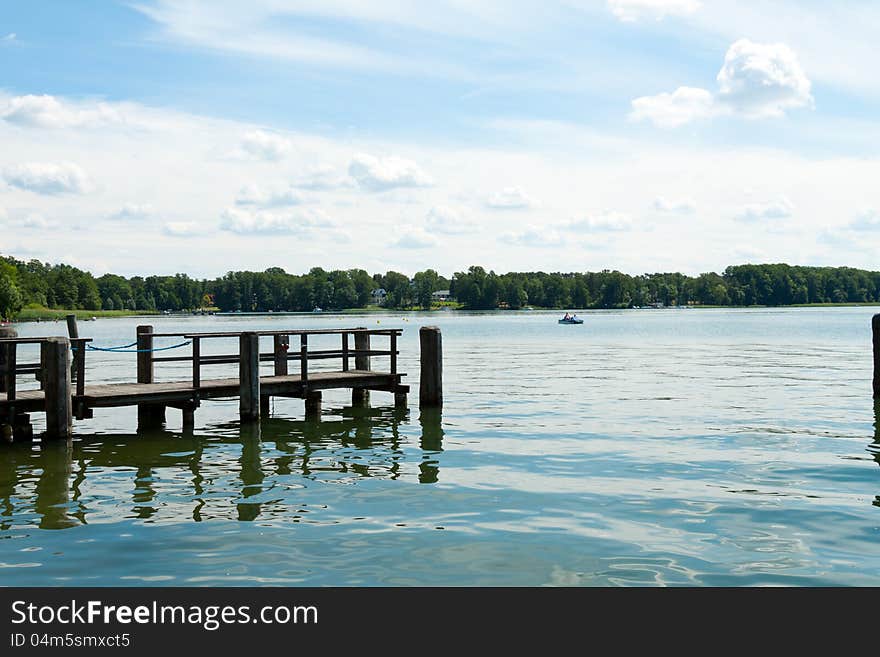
{"type": "Point", "coordinates": [656, 447]}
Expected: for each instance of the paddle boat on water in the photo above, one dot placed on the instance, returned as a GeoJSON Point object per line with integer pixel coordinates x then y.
{"type": "Point", "coordinates": [571, 319]}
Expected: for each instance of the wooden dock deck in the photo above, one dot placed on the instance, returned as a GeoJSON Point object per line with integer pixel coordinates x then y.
{"type": "Point", "coordinates": [65, 393]}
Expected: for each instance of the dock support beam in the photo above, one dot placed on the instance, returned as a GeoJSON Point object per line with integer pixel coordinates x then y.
{"type": "Point", "coordinates": [249, 376]}
{"type": "Point", "coordinates": [361, 396]}
{"type": "Point", "coordinates": [55, 356]}
{"type": "Point", "coordinates": [189, 418]}
{"type": "Point", "coordinates": [431, 379]}
{"type": "Point", "coordinates": [313, 404]}
{"type": "Point", "coordinates": [149, 415]}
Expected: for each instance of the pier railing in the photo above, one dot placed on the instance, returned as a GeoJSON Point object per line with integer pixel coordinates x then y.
{"type": "Point", "coordinates": [354, 344]}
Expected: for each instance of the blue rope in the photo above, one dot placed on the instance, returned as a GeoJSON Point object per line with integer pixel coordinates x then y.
{"type": "Point", "coordinates": [119, 348]}
{"type": "Point", "coordinates": [122, 350]}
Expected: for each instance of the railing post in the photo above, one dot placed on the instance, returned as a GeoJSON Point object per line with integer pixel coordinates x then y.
{"type": "Point", "coordinates": [393, 352]}
{"type": "Point", "coordinates": [11, 364]}
{"type": "Point", "coordinates": [78, 347]}
{"type": "Point", "coordinates": [361, 363]}
{"type": "Point", "coordinates": [304, 358]}
{"type": "Point", "coordinates": [56, 377]}
{"type": "Point", "coordinates": [249, 376]}
{"type": "Point", "coordinates": [431, 356]}
{"type": "Point", "coordinates": [197, 363]}
{"type": "Point", "coordinates": [281, 344]}
{"type": "Point", "coordinates": [875, 329]}
{"type": "Point", "coordinates": [148, 414]}
{"type": "Point", "coordinates": [73, 334]}
{"type": "Point", "coordinates": [344, 351]}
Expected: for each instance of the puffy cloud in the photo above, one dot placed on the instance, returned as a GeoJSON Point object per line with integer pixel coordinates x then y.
{"type": "Point", "coordinates": [133, 212]}
{"type": "Point", "coordinates": [757, 80]}
{"type": "Point", "coordinates": [534, 236]}
{"type": "Point", "coordinates": [262, 145]}
{"type": "Point", "coordinates": [183, 229]}
{"type": "Point", "coordinates": [866, 221]}
{"type": "Point", "coordinates": [511, 198]}
{"type": "Point", "coordinates": [37, 222]}
{"type": "Point", "coordinates": [448, 220]}
{"type": "Point", "coordinates": [49, 112]}
{"type": "Point", "coordinates": [244, 222]}
{"type": "Point", "coordinates": [48, 178]}
{"type": "Point", "coordinates": [605, 222]}
{"type": "Point", "coordinates": [9, 37]}
{"type": "Point", "coordinates": [633, 10]}
{"type": "Point", "coordinates": [380, 174]}
{"type": "Point", "coordinates": [416, 239]}
{"type": "Point", "coordinates": [666, 110]}
{"type": "Point", "coordinates": [322, 177]}
{"type": "Point", "coordinates": [674, 206]}
{"type": "Point", "coordinates": [268, 198]}
{"type": "Point", "coordinates": [781, 208]}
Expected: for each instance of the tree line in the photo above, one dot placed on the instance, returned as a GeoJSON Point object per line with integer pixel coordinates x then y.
{"type": "Point", "coordinates": [34, 283]}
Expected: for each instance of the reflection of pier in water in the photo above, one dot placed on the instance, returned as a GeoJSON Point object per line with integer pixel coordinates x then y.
{"type": "Point", "coordinates": [363, 442]}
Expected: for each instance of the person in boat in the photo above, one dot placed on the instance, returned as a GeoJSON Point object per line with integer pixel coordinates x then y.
{"type": "Point", "coordinates": [567, 317]}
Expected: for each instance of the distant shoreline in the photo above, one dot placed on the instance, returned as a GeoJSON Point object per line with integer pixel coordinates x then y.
{"type": "Point", "coordinates": [32, 315]}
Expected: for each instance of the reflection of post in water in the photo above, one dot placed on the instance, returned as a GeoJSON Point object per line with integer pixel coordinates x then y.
{"type": "Point", "coordinates": [251, 470]}
{"type": "Point", "coordinates": [197, 479]}
{"type": "Point", "coordinates": [144, 493]}
{"type": "Point", "coordinates": [874, 447]}
{"type": "Point", "coordinates": [431, 419]}
{"type": "Point", "coordinates": [53, 486]}
{"type": "Point", "coordinates": [8, 478]}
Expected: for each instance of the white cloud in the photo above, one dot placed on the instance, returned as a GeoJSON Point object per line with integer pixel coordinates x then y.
{"type": "Point", "coordinates": [263, 145]}
{"type": "Point", "coordinates": [604, 222]}
{"type": "Point", "coordinates": [183, 229]}
{"type": "Point", "coordinates": [380, 174]}
{"type": "Point", "coordinates": [322, 177]}
{"type": "Point", "coordinates": [49, 112]}
{"type": "Point", "coordinates": [449, 221]}
{"type": "Point", "coordinates": [633, 10]}
{"type": "Point", "coordinates": [37, 222]}
{"type": "Point", "coordinates": [48, 178]}
{"type": "Point", "coordinates": [511, 198]}
{"type": "Point", "coordinates": [133, 212]}
{"type": "Point", "coordinates": [244, 222]}
{"type": "Point", "coordinates": [781, 208]}
{"type": "Point", "coordinates": [9, 37]}
{"type": "Point", "coordinates": [416, 239]}
{"type": "Point", "coordinates": [534, 236]}
{"type": "Point", "coordinates": [756, 81]}
{"type": "Point", "coordinates": [762, 80]}
{"type": "Point", "coordinates": [674, 206]}
{"type": "Point", "coordinates": [268, 197]}
{"type": "Point", "coordinates": [867, 221]}
{"type": "Point", "coordinates": [666, 110]}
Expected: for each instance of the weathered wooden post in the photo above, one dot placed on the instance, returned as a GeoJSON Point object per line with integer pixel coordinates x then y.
{"type": "Point", "coordinates": [281, 344]}
{"type": "Point", "coordinates": [360, 396]}
{"type": "Point", "coordinates": [249, 376]}
{"type": "Point", "coordinates": [73, 334]}
{"type": "Point", "coordinates": [431, 379]}
{"type": "Point", "coordinates": [875, 329]}
{"type": "Point", "coordinates": [148, 414]}
{"type": "Point", "coordinates": [5, 332]}
{"type": "Point", "coordinates": [56, 379]}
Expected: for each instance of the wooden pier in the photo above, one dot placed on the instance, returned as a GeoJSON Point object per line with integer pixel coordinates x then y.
{"type": "Point", "coordinates": [66, 393]}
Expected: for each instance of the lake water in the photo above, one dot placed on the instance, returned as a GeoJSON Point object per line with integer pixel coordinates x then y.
{"type": "Point", "coordinates": [645, 447]}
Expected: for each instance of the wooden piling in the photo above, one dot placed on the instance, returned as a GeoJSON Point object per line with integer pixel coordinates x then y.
{"type": "Point", "coordinates": [431, 379]}
{"type": "Point", "coordinates": [149, 415]}
{"type": "Point", "coordinates": [313, 404]}
{"type": "Point", "coordinates": [73, 333]}
{"type": "Point", "coordinates": [875, 329]}
{"type": "Point", "coordinates": [249, 376]}
{"type": "Point", "coordinates": [56, 378]}
{"type": "Point", "coordinates": [361, 362]}
{"type": "Point", "coordinates": [281, 344]}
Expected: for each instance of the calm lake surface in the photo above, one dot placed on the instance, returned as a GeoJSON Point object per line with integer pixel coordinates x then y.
{"type": "Point", "coordinates": [645, 447]}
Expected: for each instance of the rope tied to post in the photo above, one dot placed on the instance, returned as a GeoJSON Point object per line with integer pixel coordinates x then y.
{"type": "Point", "coordinates": [125, 349]}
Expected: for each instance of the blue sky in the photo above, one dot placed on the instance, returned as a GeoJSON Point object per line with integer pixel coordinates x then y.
{"type": "Point", "coordinates": [644, 135]}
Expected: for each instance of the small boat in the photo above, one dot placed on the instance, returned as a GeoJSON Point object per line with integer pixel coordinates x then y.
{"type": "Point", "coordinates": [316, 309]}
{"type": "Point", "coordinates": [571, 320]}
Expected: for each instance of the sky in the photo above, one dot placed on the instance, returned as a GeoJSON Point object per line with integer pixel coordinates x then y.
{"type": "Point", "coordinates": [159, 136]}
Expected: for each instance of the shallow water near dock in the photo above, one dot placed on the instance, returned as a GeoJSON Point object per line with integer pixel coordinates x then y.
{"type": "Point", "coordinates": [727, 447]}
